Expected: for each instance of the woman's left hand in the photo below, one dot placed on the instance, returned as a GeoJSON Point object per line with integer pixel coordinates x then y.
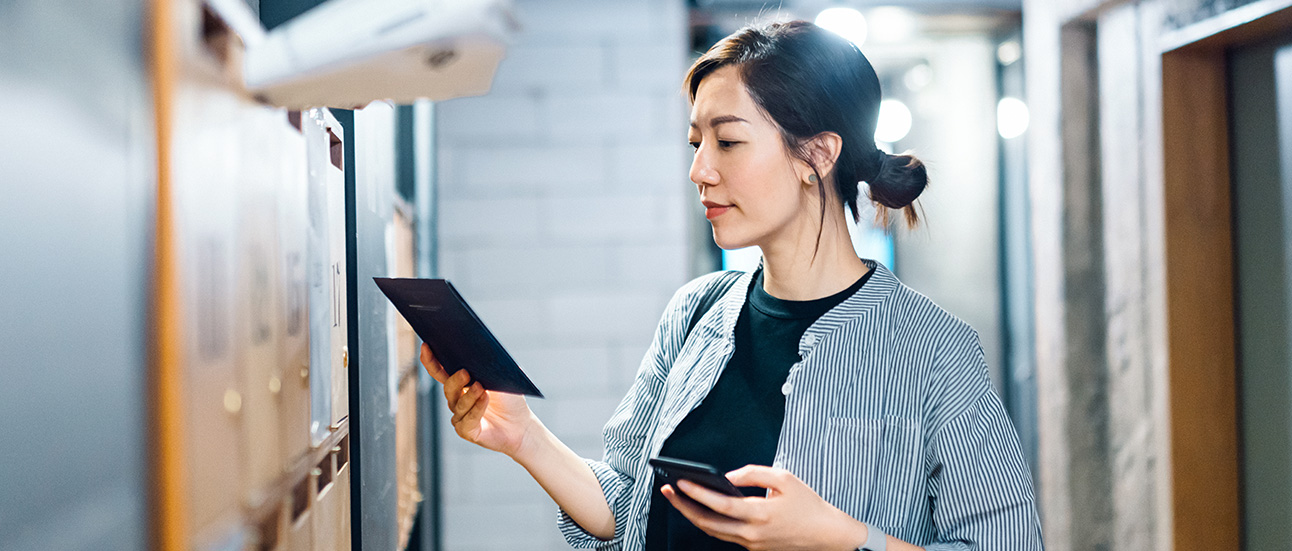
{"type": "Point", "coordinates": [792, 516]}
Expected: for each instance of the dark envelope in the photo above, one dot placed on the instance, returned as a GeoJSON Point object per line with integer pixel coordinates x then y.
{"type": "Point", "coordinates": [458, 338]}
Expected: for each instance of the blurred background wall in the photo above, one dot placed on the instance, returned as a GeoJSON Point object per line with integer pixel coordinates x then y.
{"type": "Point", "coordinates": [564, 202]}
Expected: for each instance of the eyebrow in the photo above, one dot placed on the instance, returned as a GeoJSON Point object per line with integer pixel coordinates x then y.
{"type": "Point", "coordinates": [723, 119]}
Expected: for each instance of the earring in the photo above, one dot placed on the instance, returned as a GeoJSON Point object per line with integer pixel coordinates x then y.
{"type": "Point", "coordinates": [812, 178]}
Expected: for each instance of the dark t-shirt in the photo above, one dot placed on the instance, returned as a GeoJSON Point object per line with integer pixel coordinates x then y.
{"type": "Point", "coordinates": [739, 422]}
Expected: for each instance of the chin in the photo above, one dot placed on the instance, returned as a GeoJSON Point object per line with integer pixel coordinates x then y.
{"type": "Point", "coordinates": [726, 241]}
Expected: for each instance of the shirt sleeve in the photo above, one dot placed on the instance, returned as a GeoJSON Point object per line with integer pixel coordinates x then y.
{"type": "Point", "coordinates": [980, 486]}
{"type": "Point", "coordinates": [625, 435]}
{"type": "Point", "coordinates": [629, 427]}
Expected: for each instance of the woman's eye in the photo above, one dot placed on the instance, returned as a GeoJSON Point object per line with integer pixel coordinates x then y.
{"type": "Point", "coordinates": [726, 144]}
{"type": "Point", "coordinates": [695, 145]}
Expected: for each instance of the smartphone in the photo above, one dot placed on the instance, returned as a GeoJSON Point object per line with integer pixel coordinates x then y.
{"type": "Point", "coordinates": [670, 470]}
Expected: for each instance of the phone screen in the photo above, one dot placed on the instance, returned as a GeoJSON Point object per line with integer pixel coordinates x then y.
{"type": "Point", "coordinates": [669, 471]}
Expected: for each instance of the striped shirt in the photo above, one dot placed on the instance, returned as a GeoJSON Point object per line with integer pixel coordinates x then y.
{"type": "Point", "coordinates": [889, 416]}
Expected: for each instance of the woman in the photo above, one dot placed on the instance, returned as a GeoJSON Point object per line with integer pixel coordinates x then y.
{"type": "Point", "coordinates": [861, 412]}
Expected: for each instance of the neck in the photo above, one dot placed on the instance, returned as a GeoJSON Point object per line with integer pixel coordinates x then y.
{"type": "Point", "coordinates": [792, 272]}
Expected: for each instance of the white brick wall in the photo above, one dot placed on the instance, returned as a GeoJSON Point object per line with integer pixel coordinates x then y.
{"type": "Point", "coordinates": [564, 198]}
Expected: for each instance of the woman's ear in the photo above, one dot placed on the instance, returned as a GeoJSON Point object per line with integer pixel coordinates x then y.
{"type": "Point", "coordinates": [823, 150]}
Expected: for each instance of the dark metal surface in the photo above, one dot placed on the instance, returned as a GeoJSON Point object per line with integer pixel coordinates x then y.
{"type": "Point", "coordinates": [1261, 159]}
{"type": "Point", "coordinates": [369, 180]}
{"type": "Point", "coordinates": [430, 517]}
{"type": "Point", "coordinates": [276, 12]}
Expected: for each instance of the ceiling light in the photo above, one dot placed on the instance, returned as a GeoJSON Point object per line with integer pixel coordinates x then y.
{"type": "Point", "coordinates": [890, 24]}
{"type": "Point", "coordinates": [917, 77]}
{"type": "Point", "coordinates": [894, 121]}
{"type": "Point", "coordinates": [1008, 52]}
{"type": "Point", "coordinates": [1011, 117]}
{"type": "Point", "coordinates": [845, 22]}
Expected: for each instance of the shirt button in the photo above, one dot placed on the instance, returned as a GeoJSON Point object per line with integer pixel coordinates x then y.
{"type": "Point", "coordinates": [786, 388]}
{"type": "Point", "coordinates": [809, 340]}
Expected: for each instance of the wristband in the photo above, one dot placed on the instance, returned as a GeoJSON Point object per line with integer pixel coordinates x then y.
{"type": "Point", "coordinates": [876, 540]}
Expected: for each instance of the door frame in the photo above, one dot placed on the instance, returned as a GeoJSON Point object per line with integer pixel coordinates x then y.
{"type": "Point", "coordinates": [1203, 394]}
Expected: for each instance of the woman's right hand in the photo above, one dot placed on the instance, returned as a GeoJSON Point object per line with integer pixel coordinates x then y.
{"type": "Point", "coordinates": [494, 420]}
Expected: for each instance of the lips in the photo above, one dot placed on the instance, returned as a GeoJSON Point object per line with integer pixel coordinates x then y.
{"type": "Point", "coordinates": [713, 210]}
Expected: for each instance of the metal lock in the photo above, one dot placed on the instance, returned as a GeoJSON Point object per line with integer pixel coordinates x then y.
{"type": "Point", "coordinates": [232, 401]}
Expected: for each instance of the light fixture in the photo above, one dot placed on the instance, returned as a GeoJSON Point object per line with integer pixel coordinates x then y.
{"type": "Point", "coordinates": [917, 77]}
{"type": "Point", "coordinates": [894, 121]}
{"type": "Point", "coordinates": [1011, 117]}
{"type": "Point", "coordinates": [1008, 52]}
{"type": "Point", "coordinates": [845, 22]}
{"type": "Point", "coordinates": [890, 24]}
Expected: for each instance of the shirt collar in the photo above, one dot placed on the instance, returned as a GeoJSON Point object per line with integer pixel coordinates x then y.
{"type": "Point", "coordinates": [881, 285]}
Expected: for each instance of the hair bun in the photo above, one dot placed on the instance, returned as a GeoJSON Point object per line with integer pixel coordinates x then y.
{"type": "Point", "coordinates": [900, 181]}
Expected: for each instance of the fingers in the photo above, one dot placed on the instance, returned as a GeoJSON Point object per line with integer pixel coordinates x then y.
{"type": "Point", "coordinates": [731, 507]}
{"type": "Point", "coordinates": [762, 477]}
{"type": "Point", "coordinates": [472, 417]}
{"type": "Point", "coordinates": [466, 402]}
{"type": "Point", "coordinates": [432, 365]}
{"type": "Point", "coordinates": [454, 385]}
{"type": "Point", "coordinates": [714, 524]}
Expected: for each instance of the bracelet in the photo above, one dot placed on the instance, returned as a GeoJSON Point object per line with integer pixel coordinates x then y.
{"type": "Point", "coordinates": [876, 539]}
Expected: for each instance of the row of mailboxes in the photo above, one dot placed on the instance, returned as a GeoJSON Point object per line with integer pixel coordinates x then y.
{"type": "Point", "coordinates": [329, 355]}
{"type": "Point", "coordinates": [260, 224]}
{"type": "Point", "coordinates": [313, 512]}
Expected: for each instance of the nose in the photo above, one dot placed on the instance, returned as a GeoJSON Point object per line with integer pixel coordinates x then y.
{"type": "Point", "coordinates": [702, 170]}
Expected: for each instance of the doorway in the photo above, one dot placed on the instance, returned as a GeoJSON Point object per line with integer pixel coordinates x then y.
{"type": "Point", "coordinates": [1260, 107]}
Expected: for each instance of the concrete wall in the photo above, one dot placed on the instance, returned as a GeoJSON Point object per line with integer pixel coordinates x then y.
{"type": "Point", "coordinates": [1096, 177]}
{"type": "Point", "coordinates": [563, 201]}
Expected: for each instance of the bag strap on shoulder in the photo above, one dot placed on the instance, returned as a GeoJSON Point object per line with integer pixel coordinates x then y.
{"type": "Point", "coordinates": [711, 296]}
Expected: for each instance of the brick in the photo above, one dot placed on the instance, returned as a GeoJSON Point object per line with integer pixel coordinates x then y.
{"type": "Point", "coordinates": [533, 266]}
{"type": "Point", "coordinates": [563, 219]}
{"type": "Point", "coordinates": [613, 218]}
{"type": "Point", "coordinates": [450, 263]}
{"type": "Point", "coordinates": [661, 166]}
{"type": "Point", "coordinates": [583, 418]}
{"type": "Point", "coordinates": [467, 221]}
{"type": "Point", "coordinates": [502, 479]}
{"type": "Point", "coordinates": [491, 116]}
{"type": "Point", "coordinates": [568, 67]}
{"type": "Point", "coordinates": [456, 488]}
{"type": "Point", "coordinates": [610, 315]}
{"type": "Point", "coordinates": [510, 169]}
{"type": "Point", "coordinates": [587, 444]}
{"type": "Point", "coordinates": [652, 64]}
{"type": "Point", "coordinates": [516, 320]}
{"type": "Point", "coordinates": [624, 116]}
{"type": "Point", "coordinates": [567, 371]}
{"type": "Point", "coordinates": [661, 266]}
{"type": "Point", "coordinates": [584, 20]}
{"type": "Point", "coordinates": [500, 525]}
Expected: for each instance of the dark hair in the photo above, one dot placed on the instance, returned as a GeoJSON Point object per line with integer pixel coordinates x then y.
{"type": "Point", "coordinates": [809, 80]}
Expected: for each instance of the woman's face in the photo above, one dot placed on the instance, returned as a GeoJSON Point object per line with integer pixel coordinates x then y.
{"type": "Point", "coordinates": [748, 182]}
